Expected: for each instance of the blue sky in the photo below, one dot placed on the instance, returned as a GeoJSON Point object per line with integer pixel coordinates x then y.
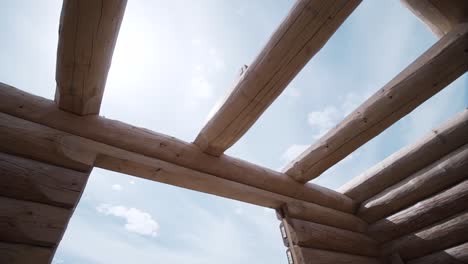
{"type": "Point", "coordinates": [173, 64]}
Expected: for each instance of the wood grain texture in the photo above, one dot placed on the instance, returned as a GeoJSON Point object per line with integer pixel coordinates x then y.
{"type": "Point", "coordinates": [313, 213]}
{"type": "Point", "coordinates": [161, 147]}
{"type": "Point", "coordinates": [84, 151]}
{"type": "Point", "coordinates": [412, 158]}
{"type": "Point", "coordinates": [436, 208]}
{"type": "Point", "coordinates": [26, 179]}
{"type": "Point", "coordinates": [442, 174]}
{"type": "Point", "coordinates": [455, 255]}
{"type": "Point", "coordinates": [443, 63]}
{"type": "Point", "coordinates": [11, 253]}
{"type": "Point", "coordinates": [32, 223]}
{"type": "Point", "coordinates": [441, 236]}
{"type": "Point", "coordinates": [440, 16]}
{"type": "Point", "coordinates": [318, 256]}
{"type": "Point", "coordinates": [312, 235]}
{"type": "Point", "coordinates": [304, 31]}
{"type": "Point", "coordinates": [87, 36]}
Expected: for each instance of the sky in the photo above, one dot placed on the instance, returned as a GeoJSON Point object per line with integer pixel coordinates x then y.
{"type": "Point", "coordinates": [173, 64]}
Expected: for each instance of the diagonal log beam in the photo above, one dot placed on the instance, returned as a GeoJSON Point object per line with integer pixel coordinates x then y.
{"type": "Point", "coordinates": [443, 63]}
{"type": "Point", "coordinates": [87, 36]}
{"type": "Point", "coordinates": [300, 36]}
{"type": "Point", "coordinates": [410, 159]}
{"type": "Point", "coordinates": [46, 144]}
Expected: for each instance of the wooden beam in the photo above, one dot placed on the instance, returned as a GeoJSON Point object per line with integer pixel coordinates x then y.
{"type": "Point", "coordinates": [300, 36]}
{"type": "Point", "coordinates": [443, 174]}
{"type": "Point", "coordinates": [32, 223]}
{"type": "Point", "coordinates": [17, 132]}
{"type": "Point", "coordinates": [310, 212]}
{"type": "Point", "coordinates": [454, 255]}
{"type": "Point", "coordinates": [318, 256]}
{"type": "Point", "coordinates": [312, 235]}
{"type": "Point", "coordinates": [87, 35]}
{"type": "Point", "coordinates": [11, 253]}
{"type": "Point", "coordinates": [163, 148]}
{"type": "Point", "coordinates": [439, 142]}
{"type": "Point", "coordinates": [431, 72]}
{"type": "Point", "coordinates": [438, 237]}
{"type": "Point", "coordinates": [440, 16]}
{"type": "Point", "coordinates": [422, 214]}
{"type": "Point", "coordinates": [30, 180]}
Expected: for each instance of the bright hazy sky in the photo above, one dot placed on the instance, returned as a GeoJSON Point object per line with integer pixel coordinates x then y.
{"type": "Point", "coordinates": [174, 62]}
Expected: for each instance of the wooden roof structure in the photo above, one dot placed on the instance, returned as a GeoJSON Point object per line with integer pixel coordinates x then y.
{"type": "Point", "coordinates": [410, 208]}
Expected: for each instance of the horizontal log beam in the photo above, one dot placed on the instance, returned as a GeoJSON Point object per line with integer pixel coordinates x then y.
{"type": "Point", "coordinates": [300, 36]}
{"type": "Point", "coordinates": [444, 235]}
{"type": "Point", "coordinates": [30, 180]}
{"type": "Point", "coordinates": [32, 223]}
{"type": "Point", "coordinates": [318, 256]}
{"type": "Point", "coordinates": [87, 35]}
{"type": "Point", "coordinates": [139, 141]}
{"type": "Point", "coordinates": [11, 253]}
{"type": "Point", "coordinates": [444, 173]}
{"type": "Point", "coordinates": [440, 16]}
{"type": "Point", "coordinates": [431, 72]}
{"type": "Point", "coordinates": [434, 209]}
{"type": "Point", "coordinates": [312, 235]}
{"type": "Point", "coordinates": [312, 213]}
{"type": "Point", "coordinates": [439, 142]}
{"type": "Point", "coordinates": [455, 255]}
{"type": "Point", "coordinates": [90, 153]}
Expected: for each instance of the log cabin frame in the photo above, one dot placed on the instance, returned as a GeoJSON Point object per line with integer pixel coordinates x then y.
{"type": "Point", "coordinates": [410, 208]}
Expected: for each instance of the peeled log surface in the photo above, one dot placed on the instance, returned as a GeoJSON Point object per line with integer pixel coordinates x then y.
{"type": "Point", "coordinates": [312, 235]}
{"type": "Point", "coordinates": [24, 254]}
{"type": "Point", "coordinates": [443, 63]}
{"type": "Point", "coordinates": [32, 223]}
{"type": "Point", "coordinates": [35, 181]}
{"type": "Point", "coordinates": [444, 235]}
{"type": "Point", "coordinates": [153, 145]}
{"type": "Point", "coordinates": [439, 15]}
{"type": "Point", "coordinates": [439, 142]}
{"type": "Point", "coordinates": [87, 35]}
{"type": "Point", "coordinates": [455, 255]}
{"type": "Point", "coordinates": [318, 256]}
{"type": "Point", "coordinates": [300, 36]}
{"type": "Point", "coordinates": [314, 213]}
{"type": "Point", "coordinates": [422, 214]}
{"type": "Point", "coordinates": [84, 151]}
{"type": "Point", "coordinates": [442, 174]}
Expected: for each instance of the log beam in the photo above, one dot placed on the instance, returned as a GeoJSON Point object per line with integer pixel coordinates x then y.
{"type": "Point", "coordinates": [431, 72]}
{"type": "Point", "coordinates": [319, 256]}
{"type": "Point", "coordinates": [35, 181]}
{"type": "Point", "coordinates": [443, 174]}
{"type": "Point", "coordinates": [311, 213]}
{"type": "Point", "coordinates": [62, 146]}
{"type": "Point", "coordinates": [300, 36]}
{"type": "Point", "coordinates": [87, 36]}
{"type": "Point", "coordinates": [455, 255]}
{"type": "Point", "coordinates": [444, 235]}
{"type": "Point", "coordinates": [422, 214]}
{"type": "Point", "coordinates": [412, 158]}
{"type": "Point", "coordinates": [440, 16]}
{"type": "Point", "coordinates": [137, 141]}
{"type": "Point", "coordinates": [11, 253]}
{"type": "Point", "coordinates": [312, 235]}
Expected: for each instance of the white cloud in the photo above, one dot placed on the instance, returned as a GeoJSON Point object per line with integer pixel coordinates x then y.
{"type": "Point", "coordinates": [292, 92]}
{"type": "Point", "coordinates": [138, 221]}
{"type": "Point", "coordinates": [323, 120]}
{"type": "Point", "coordinates": [116, 187]}
{"type": "Point", "coordinates": [293, 151]}
{"type": "Point", "coordinates": [202, 88]}
{"type": "Point", "coordinates": [132, 182]}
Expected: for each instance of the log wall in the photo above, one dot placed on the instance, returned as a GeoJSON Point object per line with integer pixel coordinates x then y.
{"type": "Point", "coordinates": [37, 200]}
